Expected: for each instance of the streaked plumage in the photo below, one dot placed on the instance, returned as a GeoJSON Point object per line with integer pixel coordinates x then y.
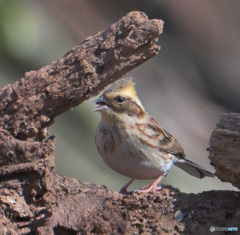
{"type": "Point", "coordinates": [132, 142]}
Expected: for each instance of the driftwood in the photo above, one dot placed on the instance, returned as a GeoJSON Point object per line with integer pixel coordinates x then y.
{"type": "Point", "coordinates": [35, 200]}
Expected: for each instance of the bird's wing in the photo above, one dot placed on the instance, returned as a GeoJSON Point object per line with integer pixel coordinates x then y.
{"type": "Point", "coordinates": [167, 143]}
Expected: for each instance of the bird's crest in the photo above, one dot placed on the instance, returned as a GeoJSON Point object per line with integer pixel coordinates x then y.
{"type": "Point", "coordinates": [125, 86]}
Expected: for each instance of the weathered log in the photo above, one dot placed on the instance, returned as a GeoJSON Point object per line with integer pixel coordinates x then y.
{"type": "Point", "coordinates": [224, 151]}
{"type": "Point", "coordinates": [30, 105]}
{"type": "Point", "coordinates": [35, 200]}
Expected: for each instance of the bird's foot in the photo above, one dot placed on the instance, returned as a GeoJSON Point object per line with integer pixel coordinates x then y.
{"type": "Point", "coordinates": [123, 190]}
{"type": "Point", "coordinates": [149, 189]}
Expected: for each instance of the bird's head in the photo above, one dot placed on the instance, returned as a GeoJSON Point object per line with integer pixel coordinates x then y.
{"type": "Point", "coordinates": [120, 99]}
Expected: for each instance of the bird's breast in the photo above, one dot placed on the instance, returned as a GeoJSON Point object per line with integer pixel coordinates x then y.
{"type": "Point", "coordinates": [125, 153]}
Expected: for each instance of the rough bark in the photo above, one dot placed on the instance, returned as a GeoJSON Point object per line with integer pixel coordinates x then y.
{"type": "Point", "coordinates": [224, 151]}
{"type": "Point", "coordinates": [34, 199]}
{"type": "Point", "coordinates": [30, 105]}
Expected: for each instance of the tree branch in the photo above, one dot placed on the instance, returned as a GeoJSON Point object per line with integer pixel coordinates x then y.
{"type": "Point", "coordinates": [31, 104]}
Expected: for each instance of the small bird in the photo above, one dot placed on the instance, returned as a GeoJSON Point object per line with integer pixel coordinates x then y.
{"type": "Point", "coordinates": [133, 143]}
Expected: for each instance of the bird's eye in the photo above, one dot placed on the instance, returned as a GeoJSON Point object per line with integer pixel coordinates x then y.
{"type": "Point", "coordinates": [120, 99]}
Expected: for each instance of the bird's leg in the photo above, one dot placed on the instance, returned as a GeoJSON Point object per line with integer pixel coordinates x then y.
{"type": "Point", "coordinates": [153, 187]}
{"type": "Point", "coordinates": [123, 190]}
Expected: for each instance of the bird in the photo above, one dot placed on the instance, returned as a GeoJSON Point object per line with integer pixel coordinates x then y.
{"type": "Point", "coordinates": [133, 143]}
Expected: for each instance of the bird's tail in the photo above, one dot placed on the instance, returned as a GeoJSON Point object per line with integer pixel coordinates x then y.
{"type": "Point", "coordinates": [193, 168]}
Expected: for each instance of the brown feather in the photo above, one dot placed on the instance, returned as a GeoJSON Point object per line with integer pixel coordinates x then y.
{"type": "Point", "coordinates": [167, 143]}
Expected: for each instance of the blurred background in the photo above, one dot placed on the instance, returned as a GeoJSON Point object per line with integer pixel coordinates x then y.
{"type": "Point", "coordinates": [193, 80]}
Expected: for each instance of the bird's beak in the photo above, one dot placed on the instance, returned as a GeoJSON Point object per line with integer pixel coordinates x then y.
{"type": "Point", "coordinates": [101, 103]}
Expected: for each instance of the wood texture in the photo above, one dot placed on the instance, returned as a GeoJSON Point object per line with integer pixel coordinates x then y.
{"type": "Point", "coordinates": [30, 105]}
{"type": "Point", "coordinates": [224, 151]}
{"type": "Point", "coordinates": [35, 200]}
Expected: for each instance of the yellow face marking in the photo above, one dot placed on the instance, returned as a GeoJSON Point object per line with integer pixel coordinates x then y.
{"type": "Point", "coordinates": [128, 91]}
